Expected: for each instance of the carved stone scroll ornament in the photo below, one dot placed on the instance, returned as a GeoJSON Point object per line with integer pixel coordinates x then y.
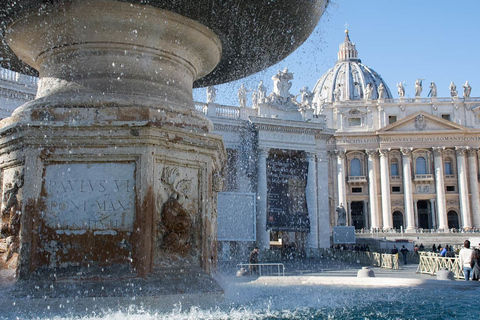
{"type": "Point", "coordinates": [10, 217]}
{"type": "Point", "coordinates": [11, 212]}
{"type": "Point", "coordinates": [174, 227]}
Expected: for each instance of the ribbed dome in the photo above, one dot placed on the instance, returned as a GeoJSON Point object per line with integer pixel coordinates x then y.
{"type": "Point", "coordinates": [349, 79]}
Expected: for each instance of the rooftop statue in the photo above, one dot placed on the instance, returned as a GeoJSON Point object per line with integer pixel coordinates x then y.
{"type": "Point", "coordinates": [453, 89]}
{"type": "Point", "coordinates": [418, 88]}
{"type": "Point", "coordinates": [401, 90]}
{"type": "Point", "coordinates": [242, 96]}
{"type": "Point", "coordinates": [368, 91]}
{"type": "Point", "coordinates": [282, 84]}
{"type": "Point", "coordinates": [262, 92]}
{"type": "Point", "coordinates": [211, 94]}
{"type": "Point", "coordinates": [307, 96]}
{"type": "Point", "coordinates": [381, 91]}
{"type": "Point", "coordinates": [433, 90]}
{"type": "Point", "coordinates": [255, 98]}
{"type": "Point", "coordinates": [466, 90]}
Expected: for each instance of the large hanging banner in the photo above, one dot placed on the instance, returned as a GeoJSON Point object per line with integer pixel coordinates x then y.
{"type": "Point", "coordinates": [286, 201]}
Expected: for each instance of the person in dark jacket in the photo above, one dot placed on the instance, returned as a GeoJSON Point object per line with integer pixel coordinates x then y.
{"type": "Point", "coordinates": [475, 264]}
{"type": "Point", "coordinates": [253, 259]}
{"type": "Point", "coordinates": [404, 252]}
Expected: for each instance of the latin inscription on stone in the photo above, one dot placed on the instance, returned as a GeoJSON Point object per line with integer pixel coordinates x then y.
{"type": "Point", "coordinates": [90, 196]}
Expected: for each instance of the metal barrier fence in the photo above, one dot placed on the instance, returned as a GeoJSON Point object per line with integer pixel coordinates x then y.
{"type": "Point", "coordinates": [430, 263]}
{"type": "Point", "coordinates": [263, 269]}
{"type": "Point", "coordinates": [389, 261]}
{"type": "Point", "coordinates": [383, 260]}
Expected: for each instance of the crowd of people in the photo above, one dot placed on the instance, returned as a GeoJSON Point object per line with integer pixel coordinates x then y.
{"type": "Point", "coordinates": [469, 259]}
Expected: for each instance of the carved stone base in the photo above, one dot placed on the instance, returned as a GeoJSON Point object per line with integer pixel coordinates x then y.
{"type": "Point", "coordinates": [97, 196]}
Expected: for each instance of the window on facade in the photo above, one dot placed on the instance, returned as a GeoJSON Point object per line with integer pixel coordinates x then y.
{"type": "Point", "coordinates": [356, 190]}
{"type": "Point", "coordinates": [421, 165]}
{"type": "Point", "coordinates": [448, 168]}
{"type": "Point", "coordinates": [394, 169]}
{"type": "Point", "coordinates": [392, 119]}
{"type": "Point", "coordinates": [451, 188]}
{"type": "Point", "coordinates": [355, 168]}
{"type": "Point", "coordinates": [396, 189]}
{"type": "Point", "coordinates": [446, 117]}
{"type": "Point", "coordinates": [354, 122]}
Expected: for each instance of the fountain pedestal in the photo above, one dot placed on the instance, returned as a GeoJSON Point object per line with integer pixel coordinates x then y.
{"type": "Point", "coordinates": [110, 164]}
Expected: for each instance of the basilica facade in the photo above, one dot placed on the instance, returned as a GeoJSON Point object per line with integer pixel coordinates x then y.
{"type": "Point", "coordinates": [409, 163]}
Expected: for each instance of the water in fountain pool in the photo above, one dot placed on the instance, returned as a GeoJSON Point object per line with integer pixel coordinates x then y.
{"type": "Point", "coordinates": [255, 299]}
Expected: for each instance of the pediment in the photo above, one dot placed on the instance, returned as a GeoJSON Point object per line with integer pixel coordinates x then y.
{"type": "Point", "coordinates": [422, 122]}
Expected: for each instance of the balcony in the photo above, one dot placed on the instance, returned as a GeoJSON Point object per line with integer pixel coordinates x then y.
{"type": "Point", "coordinates": [423, 178]}
{"type": "Point", "coordinates": [357, 179]}
{"type": "Point", "coordinates": [397, 177]}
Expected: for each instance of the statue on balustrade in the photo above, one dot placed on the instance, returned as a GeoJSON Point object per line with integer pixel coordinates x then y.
{"type": "Point", "coordinates": [401, 90]}
{"type": "Point", "coordinates": [466, 90]}
{"type": "Point", "coordinates": [381, 91]}
{"type": "Point", "coordinates": [433, 90]}
{"type": "Point", "coordinates": [453, 90]}
{"type": "Point", "coordinates": [342, 215]}
{"type": "Point", "coordinates": [418, 88]}
{"type": "Point", "coordinates": [211, 94]}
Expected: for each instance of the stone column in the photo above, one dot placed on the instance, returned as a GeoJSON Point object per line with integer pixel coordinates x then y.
{"type": "Point", "coordinates": [311, 196]}
{"type": "Point", "coordinates": [323, 200]}
{"type": "Point", "coordinates": [342, 197]}
{"type": "Point", "coordinates": [463, 187]}
{"type": "Point", "coordinates": [440, 188]}
{"type": "Point", "coordinates": [473, 185]}
{"type": "Point", "coordinates": [385, 189]}
{"type": "Point", "coordinates": [263, 237]}
{"type": "Point", "coordinates": [372, 188]}
{"type": "Point", "coordinates": [415, 209]}
{"type": "Point", "coordinates": [432, 214]}
{"type": "Point", "coordinates": [407, 188]}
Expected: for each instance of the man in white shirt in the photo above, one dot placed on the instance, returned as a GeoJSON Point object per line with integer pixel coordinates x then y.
{"type": "Point", "coordinates": [465, 256]}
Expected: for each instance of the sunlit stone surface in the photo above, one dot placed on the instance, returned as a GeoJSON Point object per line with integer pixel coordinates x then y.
{"type": "Point", "coordinates": [111, 171]}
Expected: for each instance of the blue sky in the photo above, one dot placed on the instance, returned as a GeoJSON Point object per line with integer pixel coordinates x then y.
{"type": "Point", "coordinates": [435, 40]}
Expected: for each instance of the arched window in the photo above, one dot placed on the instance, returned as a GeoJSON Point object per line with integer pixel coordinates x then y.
{"type": "Point", "coordinates": [355, 168]}
{"type": "Point", "coordinates": [421, 165]}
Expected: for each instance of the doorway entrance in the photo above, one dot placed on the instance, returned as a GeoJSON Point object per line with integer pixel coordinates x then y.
{"type": "Point", "coordinates": [358, 216]}
{"type": "Point", "coordinates": [424, 217]}
{"type": "Point", "coordinates": [452, 218]}
{"type": "Point", "coordinates": [397, 220]}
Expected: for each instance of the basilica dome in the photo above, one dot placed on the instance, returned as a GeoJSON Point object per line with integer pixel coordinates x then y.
{"type": "Point", "coordinates": [349, 79]}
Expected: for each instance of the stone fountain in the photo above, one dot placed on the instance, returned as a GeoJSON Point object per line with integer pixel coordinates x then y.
{"type": "Point", "coordinates": [110, 171]}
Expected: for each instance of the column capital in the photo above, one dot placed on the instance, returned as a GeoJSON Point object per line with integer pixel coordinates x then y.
{"type": "Point", "coordinates": [340, 153]}
{"type": "Point", "coordinates": [472, 152]}
{"type": "Point", "coordinates": [460, 151]}
{"type": "Point", "coordinates": [310, 156]}
{"type": "Point", "coordinates": [263, 151]}
{"type": "Point", "coordinates": [438, 151]}
{"type": "Point", "coordinates": [371, 152]}
{"type": "Point", "coordinates": [406, 151]}
{"type": "Point", "coordinates": [384, 152]}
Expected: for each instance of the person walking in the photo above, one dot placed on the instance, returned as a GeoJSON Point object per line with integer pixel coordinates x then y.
{"type": "Point", "coordinates": [404, 252]}
{"type": "Point", "coordinates": [465, 257]}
